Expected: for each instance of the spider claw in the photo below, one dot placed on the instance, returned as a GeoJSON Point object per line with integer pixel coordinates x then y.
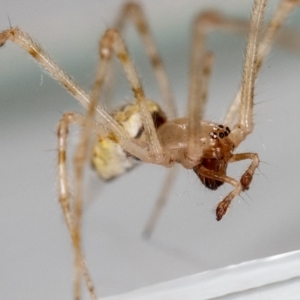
{"type": "Point", "coordinates": [219, 217]}
{"type": "Point", "coordinates": [222, 208]}
{"type": "Point", "coordinates": [220, 212]}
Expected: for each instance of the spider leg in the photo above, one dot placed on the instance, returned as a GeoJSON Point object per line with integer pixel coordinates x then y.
{"type": "Point", "coordinates": [199, 76]}
{"type": "Point", "coordinates": [245, 123]}
{"type": "Point", "coordinates": [240, 186]}
{"type": "Point", "coordinates": [82, 154]}
{"type": "Point", "coordinates": [112, 43]}
{"type": "Point", "coordinates": [200, 71]}
{"type": "Point", "coordinates": [283, 10]}
{"type": "Point", "coordinates": [195, 107]}
{"type": "Point", "coordinates": [223, 206]}
{"type": "Point", "coordinates": [248, 174]}
{"type": "Point", "coordinates": [72, 213]}
{"type": "Point", "coordinates": [80, 157]}
{"type": "Point", "coordinates": [160, 202]}
{"type": "Point", "coordinates": [24, 40]}
{"type": "Point", "coordinates": [133, 12]}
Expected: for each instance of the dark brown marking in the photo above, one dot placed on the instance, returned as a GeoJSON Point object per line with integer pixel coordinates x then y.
{"type": "Point", "coordinates": [206, 71]}
{"type": "Point", "coordinates": [259, 64]}
{"type": "Point", "coordinates": [142, 28]}
{"type": "Point", "coordinates": [138, 93]}
{"type": "Point", "coordinates": [62, 157]}
{"type": "Point", "coordinates": [62, 129]}
{"type": "Point", "coordinates": [70, 88]}
{"type": "Point", "coordinates": [155, 61]}
{"type": "Point", "coordinates": [123, 57]}
{"type": "Point", "coordinates": [139, 133]}
{"type": "Point", "coordinates": [113, 137]}
{"type": "Point", "coordinates": [159, 118]}
{"type": "Point", "coordinates": [34, 53]}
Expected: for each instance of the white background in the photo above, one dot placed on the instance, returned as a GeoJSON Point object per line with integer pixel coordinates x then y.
{"type": "Point", "coordinates": [35, 251]}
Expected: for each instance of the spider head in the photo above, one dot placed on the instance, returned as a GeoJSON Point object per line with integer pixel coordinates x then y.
{"type": "Point", "coordinates": [217, 153]}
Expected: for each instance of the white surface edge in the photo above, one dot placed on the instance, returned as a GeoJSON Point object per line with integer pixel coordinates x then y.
{"type": "Point", "coordinates": [216, 283]}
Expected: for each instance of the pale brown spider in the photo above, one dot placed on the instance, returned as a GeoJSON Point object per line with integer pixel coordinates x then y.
{"type": "Point", "coordinates": [143, 131]}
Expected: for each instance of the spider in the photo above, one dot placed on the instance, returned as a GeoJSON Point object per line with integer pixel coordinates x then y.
{"type": "Point", "coordinates": [143, 131]}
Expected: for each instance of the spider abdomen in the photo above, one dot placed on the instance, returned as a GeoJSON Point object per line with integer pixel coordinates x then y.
{"type": "Point", "coordinates": [109, 159]}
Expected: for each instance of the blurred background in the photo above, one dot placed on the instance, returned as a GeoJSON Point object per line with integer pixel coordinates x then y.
{"type": "Point", "coordinates": [35, 249]}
